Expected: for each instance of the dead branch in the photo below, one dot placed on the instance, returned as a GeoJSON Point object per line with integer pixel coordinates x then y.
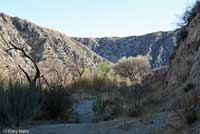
{"type": "Point", "coordinates": [45, 80]}
{"type": "Point", "coordinates": [26, 74]}
{"type": "Point", "coordinates": [14, 47]}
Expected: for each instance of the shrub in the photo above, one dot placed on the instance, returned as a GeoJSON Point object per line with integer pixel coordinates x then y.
{"type": "Point", "coordinates": [103, 69]}
{"type": "Point", "coordinates": [56, 102]}
{"type": "Point", "coordinates": [137, 92]}
{"type": "Point", "coordinates": [101, 112]}
{"type": "Point", "coordinates": [82, 84]}
{"type": "Point", "coordinates": [135, 68]}
{"type": "Point", "coordinates": [189, 87]}
{"type": "Point", "coordinates": [18, 103]}
{"type": "Point", "coordinates": [97, 84]}
{"type": "Point", "coordinates": [189, 14]}
{"type": "Point", "coordinates": [132, 97]}
{"type": "Point", "coordinates": [188, 108]}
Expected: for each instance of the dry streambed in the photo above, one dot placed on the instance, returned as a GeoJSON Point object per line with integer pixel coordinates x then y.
{"type": "Point", "coordinates": [154, 124]}
{"type": "Point", "coordinates": [84, 110]}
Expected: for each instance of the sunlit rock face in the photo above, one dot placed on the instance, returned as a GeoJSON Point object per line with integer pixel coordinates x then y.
{"type": "Point", "coordinates": [158, 46]}
{"type": "Point", "coordinates": [49, 48]}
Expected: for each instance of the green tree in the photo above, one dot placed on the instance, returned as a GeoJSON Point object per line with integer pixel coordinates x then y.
{"type": "Point", "coordinates": [103, 69]}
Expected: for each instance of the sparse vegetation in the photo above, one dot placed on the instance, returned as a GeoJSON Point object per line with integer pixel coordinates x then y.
{"type": "Point", "coordinates": [188, 108]}
{"type": "Point", "coordinates": [96, 84]}
{"type": "Point", "coordinates": [124, 101]}
{"type": "Point", "coordinates": [137, 92]}
{"type": "Point", "coordinates": [101, 110]}
{"type": "Point", "coordinates": [186, 18]}
{"type": "Point", "coordinates": [131, 97]}
{"type": "Point", "coordinates": [189, 14]}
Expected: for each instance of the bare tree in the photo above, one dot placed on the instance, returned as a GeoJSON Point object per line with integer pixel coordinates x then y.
{"type": "Point", "coordinates": [78, 68]}
{"type": "Point", "coordinates": [135, 68]}
{"type": "Point", "coordinates": [61, 73]}
{"type": "Point", "coordinates": [32, 81]}
{"type": "Point", "coordinates": [188, 107]}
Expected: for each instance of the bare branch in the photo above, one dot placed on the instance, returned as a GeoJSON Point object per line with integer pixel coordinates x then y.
{"type": "Point", "coordinates": [14, 47]}
{"type": "Point", "coordinates": [45, 80]}
{"type": "Point", "coordinates": [26, 74]}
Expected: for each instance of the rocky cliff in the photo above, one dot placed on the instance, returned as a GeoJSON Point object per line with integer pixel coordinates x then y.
{"type": "Point", "coordinates": [158, 46]}
{"type": "Point", "coordinates": [185, 61]}
{"type": "Point", "coordinates": [47, 47]}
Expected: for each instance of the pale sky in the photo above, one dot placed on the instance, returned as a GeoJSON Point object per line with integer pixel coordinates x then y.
{"type": "Point", "coordinates": [99, 18]}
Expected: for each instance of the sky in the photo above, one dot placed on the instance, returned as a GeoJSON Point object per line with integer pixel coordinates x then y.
{"type": "Point", "coordinates": [99, 18]}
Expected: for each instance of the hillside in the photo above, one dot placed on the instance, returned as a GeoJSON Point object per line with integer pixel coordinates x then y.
{"type": "Point", "coordinates": [47, 47]}
{"type": "Point", "coordinates": [54, 50]}
{"type": "Point", "coordinates": [158, 46]}
{"type": "Point", "coordinates": [185, 61]}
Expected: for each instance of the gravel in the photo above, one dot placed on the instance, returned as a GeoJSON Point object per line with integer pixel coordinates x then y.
{"type": "Point", "coordinates": [154, 124]}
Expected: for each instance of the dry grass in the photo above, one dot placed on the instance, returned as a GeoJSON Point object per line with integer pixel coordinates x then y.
{"type": "Point", "coordinates": [188, 107]}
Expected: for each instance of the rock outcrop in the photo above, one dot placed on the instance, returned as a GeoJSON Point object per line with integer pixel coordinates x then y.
{"type": "Point", "coordinates": [185, 61]}
{"type": "Point", "coordinates": [47, 47]}
{"type": "Point", "coordinates": [158, 46]}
